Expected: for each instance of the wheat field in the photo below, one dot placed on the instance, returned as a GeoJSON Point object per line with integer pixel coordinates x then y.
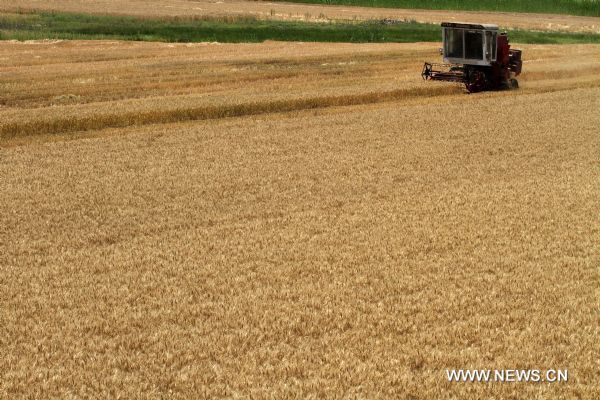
{"type": "Point", "coordinates": [309, 12]}
{"type": "Point", "coordinates": [293, 220]}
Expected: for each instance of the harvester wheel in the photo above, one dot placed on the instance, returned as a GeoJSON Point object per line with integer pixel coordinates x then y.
{"type": "Point", "coordinates": [514, 84]}
{"type": "Point", "coordinates": [476, 82]}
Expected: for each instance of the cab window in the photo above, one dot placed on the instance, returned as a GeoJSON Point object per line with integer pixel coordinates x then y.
{"type": "Point", "coordinates": [474, 45]}
{"type": "Point", "coordinates": [454, 43]}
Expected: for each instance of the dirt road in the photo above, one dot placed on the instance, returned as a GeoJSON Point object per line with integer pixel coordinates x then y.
{"type": "Point", "coordinates": [278, 10]}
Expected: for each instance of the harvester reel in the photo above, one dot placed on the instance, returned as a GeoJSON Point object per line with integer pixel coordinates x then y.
{"type": "Point", "coordinates": [426, 73]}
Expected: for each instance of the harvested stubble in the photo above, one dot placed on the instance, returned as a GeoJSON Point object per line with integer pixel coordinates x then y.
{"type": "Point", "coordinates": [279, 10]}
{"type": "Point", "coordinates": [338, 252]}
{"type": "Point", "coordinates": [61, 87]}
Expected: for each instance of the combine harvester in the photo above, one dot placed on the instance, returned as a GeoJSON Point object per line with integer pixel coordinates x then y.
{"type": "Point", "coordinates": [478, 56]}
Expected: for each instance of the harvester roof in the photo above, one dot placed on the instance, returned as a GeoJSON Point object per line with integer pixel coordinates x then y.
{"type": "Point", "coordinates": [467, 25]}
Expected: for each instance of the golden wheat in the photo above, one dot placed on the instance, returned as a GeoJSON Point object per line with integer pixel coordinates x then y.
{"type": "Point", "coordinates": [335, 252]}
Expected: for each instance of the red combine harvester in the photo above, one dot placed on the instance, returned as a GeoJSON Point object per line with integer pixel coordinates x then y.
{"type": "Point", "coordinates": [478, 56]}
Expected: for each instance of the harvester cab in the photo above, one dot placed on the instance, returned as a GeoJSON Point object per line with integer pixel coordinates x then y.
{"type": "Point", "coordinates": [477, 55]}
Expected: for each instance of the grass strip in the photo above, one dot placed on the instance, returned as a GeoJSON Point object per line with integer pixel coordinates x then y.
{"type": "Point", "coordinates": [54, 25]}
